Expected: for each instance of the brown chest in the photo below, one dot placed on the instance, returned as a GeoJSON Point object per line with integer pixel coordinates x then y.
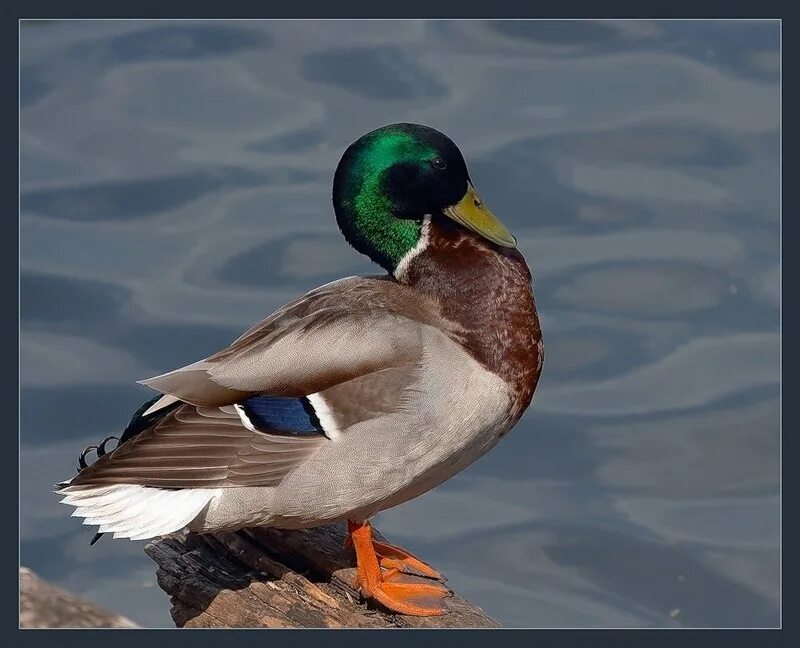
{"type": "Point", "coordinates": [486, 291]}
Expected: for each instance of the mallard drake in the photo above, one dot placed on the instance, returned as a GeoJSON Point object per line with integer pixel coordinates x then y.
{"type": "Point", "coordinates": [354, 398]}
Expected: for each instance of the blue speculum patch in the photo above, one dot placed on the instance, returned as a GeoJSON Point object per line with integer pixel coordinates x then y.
{"type": "Point", "coordinates": [279, 414]}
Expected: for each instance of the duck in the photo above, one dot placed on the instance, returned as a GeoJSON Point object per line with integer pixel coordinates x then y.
{"type": "Point", "coordinates": [354, 398]}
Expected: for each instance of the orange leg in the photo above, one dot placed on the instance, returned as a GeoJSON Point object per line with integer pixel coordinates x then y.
{"type": "Point", "coordinates": [393, 557]}
{"type": "Point", "coordinates": [403, 597]}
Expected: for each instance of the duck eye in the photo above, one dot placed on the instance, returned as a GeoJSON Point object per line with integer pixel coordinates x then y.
{"type": "Point", "coordinates": [438, 163]}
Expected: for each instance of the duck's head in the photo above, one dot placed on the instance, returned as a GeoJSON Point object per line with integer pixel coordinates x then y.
{"type": "Point", "coordinates": [393, 178]}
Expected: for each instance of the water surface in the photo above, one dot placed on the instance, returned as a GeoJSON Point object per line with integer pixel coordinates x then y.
{"type": "Point", "coordinates": [176, 185]}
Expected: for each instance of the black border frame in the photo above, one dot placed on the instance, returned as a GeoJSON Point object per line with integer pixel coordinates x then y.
{"type": "Point", "coordinates": [14, 10]}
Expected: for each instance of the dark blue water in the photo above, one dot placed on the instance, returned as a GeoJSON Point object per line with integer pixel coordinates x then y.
{"type": "Point", "coordinates": [176, 188]}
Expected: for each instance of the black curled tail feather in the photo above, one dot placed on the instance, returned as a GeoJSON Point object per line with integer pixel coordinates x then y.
{"type": "Point", "coordinates": [82, 457]}
{"type": "Point", "coordinates": [138, 423]}
{"type": "Point", "coordinates": [100, 450]}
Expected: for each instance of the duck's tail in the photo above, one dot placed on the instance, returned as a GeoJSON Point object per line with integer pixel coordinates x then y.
{"type": "Point", "coordinates": [135, 512]}
{"type": "Point", "coordinates": [129, 510]}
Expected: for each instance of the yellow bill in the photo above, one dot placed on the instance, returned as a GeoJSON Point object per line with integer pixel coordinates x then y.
{"type": "Point", "coordinates": [473, 214]}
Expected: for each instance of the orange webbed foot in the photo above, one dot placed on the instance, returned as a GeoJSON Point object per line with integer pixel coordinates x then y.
{"type": "Point", "coordinates": [394, 557]}
{"type": "Point", "coordinates": [391, 588]}
{"type": "Point", "coordinates": [416, 599]}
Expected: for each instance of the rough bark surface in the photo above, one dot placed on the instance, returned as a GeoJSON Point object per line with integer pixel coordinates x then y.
{"type": "Point", "coordinates": [45, 606]}
{"type": "Point", "coordinates": [280, 579]}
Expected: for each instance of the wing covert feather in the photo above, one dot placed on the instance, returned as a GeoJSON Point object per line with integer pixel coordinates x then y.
{"type": "Point", "coordinates": [332, 335]}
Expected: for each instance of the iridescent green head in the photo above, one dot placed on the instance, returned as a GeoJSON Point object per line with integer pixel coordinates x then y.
{"type": "Point", "coordinates": [390, 179]}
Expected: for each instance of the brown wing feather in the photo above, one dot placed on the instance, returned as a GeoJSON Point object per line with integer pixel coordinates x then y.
{"type": "Point", "coordinates": [194, 447]}
{"type": "Point", "coordinates": [356, 341]}
{"type": "Point", "coordinates": [332, 335]}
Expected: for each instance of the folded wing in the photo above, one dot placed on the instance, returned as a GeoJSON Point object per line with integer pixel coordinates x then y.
{"type": "Point", "coordinates": [200, 447]}
{"type": "Point", "coordinates": [334, 334]}
{"type": "Point", "coordinates": [247, 415]}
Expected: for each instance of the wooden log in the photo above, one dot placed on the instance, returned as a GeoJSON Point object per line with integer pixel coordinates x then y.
{"type": "Point", "coordinates": [274, 578]}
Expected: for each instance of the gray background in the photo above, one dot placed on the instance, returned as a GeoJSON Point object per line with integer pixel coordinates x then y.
{"type": "Point", "coordinates": [176, 188]}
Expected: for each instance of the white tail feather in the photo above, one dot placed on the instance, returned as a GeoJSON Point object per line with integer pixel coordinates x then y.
{"type": "Point", "coordinates": [137, 512]}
